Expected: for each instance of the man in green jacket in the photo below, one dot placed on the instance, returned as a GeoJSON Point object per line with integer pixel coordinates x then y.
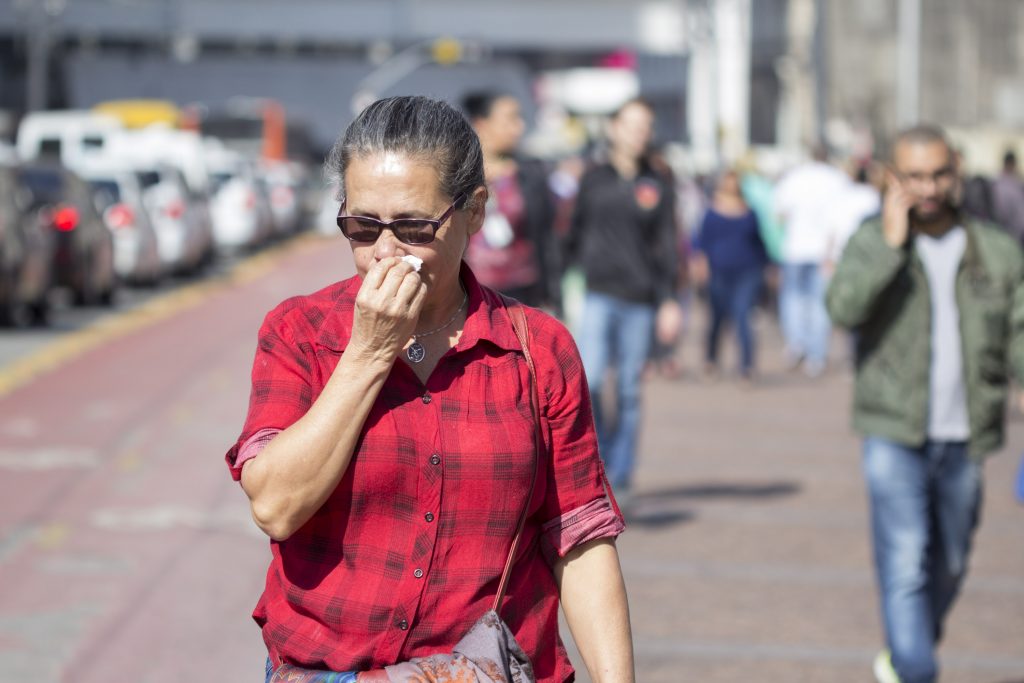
{"type": "Point", "coordinates": [936, 302]}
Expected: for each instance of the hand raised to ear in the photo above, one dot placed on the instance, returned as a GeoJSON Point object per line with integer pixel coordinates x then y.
{"type": "Point", "coordinates": [895, 211]}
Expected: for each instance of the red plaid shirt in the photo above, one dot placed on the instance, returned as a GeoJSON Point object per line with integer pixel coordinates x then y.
{"type": "Point", "coordinates": [408, 551]}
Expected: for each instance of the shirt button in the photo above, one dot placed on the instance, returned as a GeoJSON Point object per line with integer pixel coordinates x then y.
{"type": "Point", "coordinates": [429, 516]}
{"type": "Point", "coordinates": [418, 573]}
{"type": "Point", "coordinates": [435, 459]}
{"type": "Point", "coordinates": [404, 625]}
{"type": "Point", "coordinates": [426, 398]}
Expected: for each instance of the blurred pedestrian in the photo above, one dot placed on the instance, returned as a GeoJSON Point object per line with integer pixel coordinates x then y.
{"type": "Point", "coordinates": [389, 447]}
{"type": "Point", "coordinates": [759, 193]}
{"type": "Point", "coordinates": [516, 252]}
{"type": "Point", "coordinates": [857, 201]}
{"type": "Point", "coordinates": [937, 302]}
{"type": "Point", "coordinates": [734, 255]}
{"type": "Point", "coordinates": [804, 198]}
{"type": "Point", "coordinates": [1008, 198]}
{"type": "Point", "coordinates": [975, 192]}
{"type": "Point", "coordinates": [623, 236]}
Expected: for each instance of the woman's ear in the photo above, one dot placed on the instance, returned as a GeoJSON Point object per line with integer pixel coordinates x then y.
{"type": "Point", "coordinates": [476, 207]}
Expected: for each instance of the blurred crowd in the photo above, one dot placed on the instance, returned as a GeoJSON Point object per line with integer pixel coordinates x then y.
{"type": "Point", "coordinates": [744, 239]}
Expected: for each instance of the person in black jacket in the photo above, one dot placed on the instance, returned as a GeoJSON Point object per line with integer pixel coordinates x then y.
{"type": "Point", "coordinates": [623, 237]}
{"type": "Point", "coordinates": [516, 251]}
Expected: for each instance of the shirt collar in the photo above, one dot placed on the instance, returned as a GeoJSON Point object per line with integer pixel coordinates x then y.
{"type": "Point", "coordinates": [486, 317]}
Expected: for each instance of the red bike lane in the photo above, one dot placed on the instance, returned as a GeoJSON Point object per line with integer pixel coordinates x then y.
{"type": "Point", "coordinates": [115, 503]}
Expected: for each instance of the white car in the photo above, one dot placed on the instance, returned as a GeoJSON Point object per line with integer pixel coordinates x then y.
{"type": "Point", "coordinates": [72, 136]}
{"type": "Point", "coordinates": [119, 199]}
{"type": "Point", "coordinates": [285, 183]}
{"type": "Point", "coordinates": [241, 210]}
{"type": "Point", "coordinates": [326, 221]}
{"type": "Point", "coordinates": [181, 235]}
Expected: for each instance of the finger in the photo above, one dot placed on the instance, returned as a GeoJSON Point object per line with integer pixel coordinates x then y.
{"type": "Point", "coordinates": [395, 275]}
{"type": "Point", "coordinates": [409, 287]}
{"type": "Point", "coordinates": [376, 274]}
{"type": "Point", "coordinates": [417, 302]}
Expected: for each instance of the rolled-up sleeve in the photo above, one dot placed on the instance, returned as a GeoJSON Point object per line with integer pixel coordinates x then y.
{"type": "Point", "coordinates": [252, 447]}
{"type": "Point", "coordinates": [282, 390]}
{"type": "Point", "coordinates": [588, 523]}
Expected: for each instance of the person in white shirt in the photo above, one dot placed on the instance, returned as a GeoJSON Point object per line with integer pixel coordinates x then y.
{"type": "Point", "coordinates": [858, 201]}
{"type": "Point", "coordinates": [804, 200]}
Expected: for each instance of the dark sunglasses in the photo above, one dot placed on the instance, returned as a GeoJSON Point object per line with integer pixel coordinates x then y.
{"type": "Point", "coordinates": [406, 230]}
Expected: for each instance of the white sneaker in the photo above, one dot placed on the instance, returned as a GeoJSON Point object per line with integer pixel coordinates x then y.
{"type": "Point", "coordinates": [814, 368]}
{"type": "Point", "coordinates": [884, 673]}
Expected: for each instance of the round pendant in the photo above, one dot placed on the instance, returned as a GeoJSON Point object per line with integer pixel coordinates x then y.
{"type": "Point", "coordinates": [416, 353]}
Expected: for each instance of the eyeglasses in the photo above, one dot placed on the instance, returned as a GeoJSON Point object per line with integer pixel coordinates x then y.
{"type": "Point", "coordinates": [942, 175]}
{"type": "Point", "coordinates": [405, 230]}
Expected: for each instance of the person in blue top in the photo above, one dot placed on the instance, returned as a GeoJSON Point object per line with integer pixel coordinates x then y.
{"type": "Point", "coordinates": [730, 250]}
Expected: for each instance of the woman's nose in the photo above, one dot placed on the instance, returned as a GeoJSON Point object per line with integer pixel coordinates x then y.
{"type": "Point", "coordinates": [387, 246]}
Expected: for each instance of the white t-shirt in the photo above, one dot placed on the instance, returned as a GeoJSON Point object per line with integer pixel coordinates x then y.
{"type": "Point", "coordinates": [857, 202]}
{"type": "Point", "coordinates": [947, 408]}
{"type": "Point", "coordinates": [805, 199]}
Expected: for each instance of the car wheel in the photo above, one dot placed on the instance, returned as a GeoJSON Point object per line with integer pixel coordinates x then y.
{"type": "Point", "coordinates": [7, 314]}
{"type": "Point", "coordinates": [106, 297]}
{"type": "Point", "coordinates": [39, 313]}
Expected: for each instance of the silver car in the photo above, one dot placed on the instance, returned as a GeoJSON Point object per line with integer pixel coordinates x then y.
{"type": "Point", "coordinates": [119, 200]}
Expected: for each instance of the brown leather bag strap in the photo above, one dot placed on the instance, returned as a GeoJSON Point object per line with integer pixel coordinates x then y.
{"type": "Point", "coordinates": [522, 330]}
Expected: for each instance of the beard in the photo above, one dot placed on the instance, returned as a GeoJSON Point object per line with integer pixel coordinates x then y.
{"type": "Point", "coordinates": [944, 208]}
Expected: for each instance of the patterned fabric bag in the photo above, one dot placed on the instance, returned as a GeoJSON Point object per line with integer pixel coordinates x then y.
{"type": "Point", "coordinates": [488, 652]}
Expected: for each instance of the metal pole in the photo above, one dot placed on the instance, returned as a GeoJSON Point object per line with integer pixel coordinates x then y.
{"type": "Point", "coordinates": [820, 69]}
{"type": "Point", "coordinates": [38, 55]}
{"type": "Point", "coordinates": [908, 82]}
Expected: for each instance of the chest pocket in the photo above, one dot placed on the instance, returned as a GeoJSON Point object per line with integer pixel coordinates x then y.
{"type": "Point", "coordinates": [488, 436]}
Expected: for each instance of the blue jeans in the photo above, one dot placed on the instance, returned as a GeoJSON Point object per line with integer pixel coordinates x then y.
{"type": "Point", "coordinates": [616, 334]}
{"type": "Point", "coordinates": [805, 323]}
{"type": "Point", "coordinates": [924, 510]}
{"type": "Point", "coordinates": [733, 295]}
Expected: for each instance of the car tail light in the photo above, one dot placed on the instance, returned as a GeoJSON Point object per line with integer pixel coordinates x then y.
{"type": "Point", "coordinates": [175, 209]}
{"type": "Point", "coordinates": [65, 218]}
{"type": "Point", "coordinates": [120, 216]}
{"type": "Point", "coordinates": [250, 200]}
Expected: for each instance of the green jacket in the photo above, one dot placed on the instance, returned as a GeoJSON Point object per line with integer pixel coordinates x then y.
{"type": "Point", "coordinates": [882, 294]}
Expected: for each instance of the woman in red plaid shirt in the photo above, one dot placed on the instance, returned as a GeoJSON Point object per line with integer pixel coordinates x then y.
{"type": "Point", "coordinates": [388, 448]}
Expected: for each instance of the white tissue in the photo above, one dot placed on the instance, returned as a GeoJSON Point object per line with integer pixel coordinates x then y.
{"type": "Point", "coordinates": [415, 261]}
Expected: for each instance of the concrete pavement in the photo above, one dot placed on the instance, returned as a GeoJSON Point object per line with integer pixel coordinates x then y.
{"type": "Point", "coordinates": [748, 556]}
{"type": "Point", "coordinates": [126, 553]}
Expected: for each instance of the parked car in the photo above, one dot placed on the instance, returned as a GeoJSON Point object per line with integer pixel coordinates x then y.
{"type": "Point", "coordinates": [118, 198]}
{"type": "Point", "coordinates": [182, 231]}
{"type": "Point", "coordinates": [181, 150]}
{"type": "Point", "coordinates": [242, 215]}
{"type": "Point", "coordinates": [84, 254]}
{"type": "Point", "coordinates": [71, 136]}
{"type": "Point", "coordinates": [285, 182]}
{"type": "Point", "coordinates": [326, 220]}
{"type": "Point", "coordinates": [27, 247]}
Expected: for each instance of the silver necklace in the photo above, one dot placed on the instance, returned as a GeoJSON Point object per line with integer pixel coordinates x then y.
{"type": "Point", "coordinates": [416, 353]}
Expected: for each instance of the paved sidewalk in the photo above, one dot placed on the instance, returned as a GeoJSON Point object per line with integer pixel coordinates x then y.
{"type": "Point", "coordinates": [128, 556]}
{"type": "Point", "coordinates": [748, 556]}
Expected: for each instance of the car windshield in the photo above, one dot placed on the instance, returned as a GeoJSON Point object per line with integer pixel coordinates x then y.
{"type": "Point", "coordinates": [107, 192]}
{"type": "Point", "coordinates": [45, 185]}
{"type": "Point", "coordinates": [148, 179]}
{"type": "Point", "coordinates": [219, 180]}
